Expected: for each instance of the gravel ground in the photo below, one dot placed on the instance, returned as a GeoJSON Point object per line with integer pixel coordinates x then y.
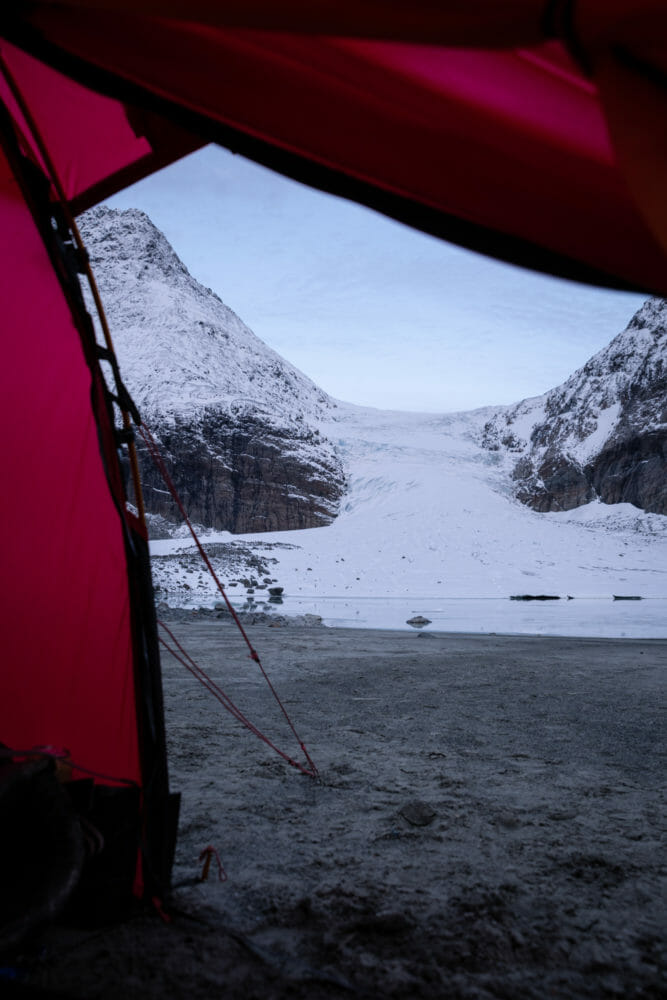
{"type": "Point", "coordinates": [489, 822]}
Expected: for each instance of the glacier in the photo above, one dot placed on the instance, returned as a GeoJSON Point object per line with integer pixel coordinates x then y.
{"type": "Point", "coordinates": [428, 518]}
{"type": "Point", "coordinates": [429, 525]}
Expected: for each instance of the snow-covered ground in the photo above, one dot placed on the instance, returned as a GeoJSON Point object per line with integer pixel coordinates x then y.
{"type": "Point", "coordinates": [429, 527]}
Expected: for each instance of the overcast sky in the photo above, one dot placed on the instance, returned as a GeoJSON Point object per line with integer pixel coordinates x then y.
{"type": "Point", "coordinates": [372, 311]}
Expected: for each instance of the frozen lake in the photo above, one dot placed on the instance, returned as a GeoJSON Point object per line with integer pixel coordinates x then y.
{"type": "Point", "coordinates": [602, 617]}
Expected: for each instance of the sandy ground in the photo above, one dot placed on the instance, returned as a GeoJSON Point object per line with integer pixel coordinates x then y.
{"type": "Point", "coordinates": [490, 822]}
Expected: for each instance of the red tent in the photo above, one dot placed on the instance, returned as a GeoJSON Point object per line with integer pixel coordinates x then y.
{"type": "Point", "coordinates": [527, 130]}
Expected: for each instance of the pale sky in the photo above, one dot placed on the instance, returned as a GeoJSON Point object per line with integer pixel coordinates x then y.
{"type": "Point", "coordinates": [374, 312]}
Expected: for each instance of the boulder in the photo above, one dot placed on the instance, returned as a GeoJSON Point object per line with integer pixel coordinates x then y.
{"type": "Point", "coordinates": [418, 621]}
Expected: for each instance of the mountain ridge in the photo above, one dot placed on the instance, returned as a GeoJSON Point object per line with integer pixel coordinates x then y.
{"type": "Point", "coordinates": [238, 425]}
{"type": "Point", "coordinates": [250, 439]}
{"type": "Point", "coordinates": [602, 434]}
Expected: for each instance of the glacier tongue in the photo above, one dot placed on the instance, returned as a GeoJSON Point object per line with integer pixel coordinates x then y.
{"type": "Point", "coordinates": [428, 526]}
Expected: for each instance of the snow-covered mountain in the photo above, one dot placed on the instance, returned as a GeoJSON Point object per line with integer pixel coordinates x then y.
{"type": "Point", "coordinates": [239, 426]}
{"type": "Point", "coordinates": [602, 434]}
{"type": "Point", "coordinates": [427, 508]}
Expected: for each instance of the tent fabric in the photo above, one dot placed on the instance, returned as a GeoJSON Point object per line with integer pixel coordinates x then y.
{"type": "Point", "coordinates": [67, 678]}
{"type": "Point", "coordinates": [504, 150]}
{"type": "Point", "coordinates": [532, 130]}
{"type": "Point", "coordinates": [476, 24]}
{"type": "Point", "coordinates": [90, 138]}
{"type": "Point", "coordinates": [81, 673]}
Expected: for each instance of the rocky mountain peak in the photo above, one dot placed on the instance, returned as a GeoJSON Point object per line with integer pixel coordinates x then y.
{"type": "Point", "coordinates": [181, 348]}
{"type": "Point", "coordinates": [132, 242]}
{"type": "Point", "coordinates": [239, 424]}
{"type": "Point", "coordinates": [602, 433]}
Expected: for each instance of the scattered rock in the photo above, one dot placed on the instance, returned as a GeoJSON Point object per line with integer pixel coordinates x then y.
{"type": "Point", "coordinates": [418, 621]}
{"type": "Point", "coordinates": [508, 819]}
{"type": "Point", "coordinates": [250, 614]}
{"type": "Point", "coordinates": [417, 813]}
{"type": "Point", "coordinates": [534, 597]}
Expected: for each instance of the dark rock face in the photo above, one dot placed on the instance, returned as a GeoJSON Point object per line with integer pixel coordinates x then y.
{"type": "Point", "coordinates": [560, 485]}
{"type": "Point", "coordinates": [242, 476]}
{"type": "Point", "coordinates": [602, 434]}
{"type": "Point", "coordinates": [633, 471]}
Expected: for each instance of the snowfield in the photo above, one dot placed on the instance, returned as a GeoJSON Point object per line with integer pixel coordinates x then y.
{"type": "Point", "coordinates": [429, 526]}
